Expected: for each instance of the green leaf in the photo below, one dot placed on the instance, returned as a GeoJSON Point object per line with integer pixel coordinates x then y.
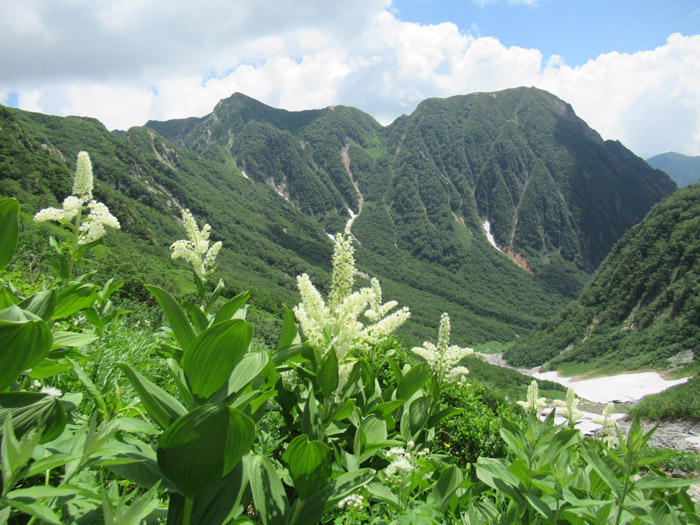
{"type": "Point", "coordinates": [36, 509]}
{"type": "Point", "coordinates": [309, 465]}
{"type": "Point", "coordinates": [445, 487]}
{"type": "Point", "coordinates": [9, 229]}
{"type": "Point", "coordinates": [41, 304]}
{"type": "Point", "coordinates": [198, 317]}
{"type": "Point", "coordinates": [230, 307]}
{"type": "Point", "coordinates": [63, 339]}
{"type": "Point", "coordinates": [269, 496]}
{"type": "Point", "coordinates": [603, 470]}
{"type": "Point", "coordinates": [416, 377]}
{"type": "Point", "coordinates": [181, 327]}
{"type": "Point", "coordinates": [328, 497]}
{"type": "Point", "coordinates": [92, 390]}
{"type": "Point", "coordinates": [328, 374]}
{"type": "Point", "coordinates": [290, 334]}
{"type": "Point", "coordinates": [310, 418]}
{"type": "Point", "coordinates": [24, 342]}
{"type": "Point", "coordinates": [215, 352]}
{"type": "Point", "coordinates": [248, 369]}
{"type": "Point", "coordinates": [214, 296]}
{"type": "Point", "coordinates": [203, 446]}
{"type": "Point", "coordinates": [31, 410]}
{"type": "Point", "coordinates": [48, 368]}
{"type": "Point", "coordinates": [74, 298]}
{"type": "Point", "coordinates": [161, 406]}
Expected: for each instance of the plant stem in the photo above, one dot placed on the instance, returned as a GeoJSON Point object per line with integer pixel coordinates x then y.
{"type": "Point", "coordinates": [187, 512]}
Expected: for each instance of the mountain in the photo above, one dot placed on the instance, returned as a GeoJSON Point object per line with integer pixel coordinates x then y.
{"type": "Point", "coordinates": [424, 194]}
{"type": "Point", "coordinates": [642, 308]}
{"type": "Point", "coordinates": [683, 169]}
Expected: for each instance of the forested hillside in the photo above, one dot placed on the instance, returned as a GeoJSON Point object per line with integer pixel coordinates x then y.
{"type": "Point", "coordinates": [683, 169]}
{"type": "Point", "coordinates": [273, 183]}
{"type": "Point", "coordinates": [642, 308]}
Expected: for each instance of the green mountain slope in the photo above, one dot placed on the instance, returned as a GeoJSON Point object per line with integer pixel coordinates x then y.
{"type": "Point", "coordinates": [272, 183]}
{"type": "Point", "coordinates": [642, 308]}
{"type": "Point", "coordinates": [683, 169]}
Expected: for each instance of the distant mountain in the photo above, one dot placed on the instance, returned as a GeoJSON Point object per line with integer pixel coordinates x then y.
{"type": "Point", "coordinates": [424, 193]}
{"type": "Point", "coordinates": [642, 308]}
{"type": "Point", "coordinates": [683, 169]}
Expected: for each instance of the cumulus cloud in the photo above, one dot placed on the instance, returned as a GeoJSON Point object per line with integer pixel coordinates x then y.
{"type": "Point", "coordinates": [129, 61]}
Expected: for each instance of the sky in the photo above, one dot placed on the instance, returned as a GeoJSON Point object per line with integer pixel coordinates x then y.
{"type": "Point", "coordinates": [630, 69]}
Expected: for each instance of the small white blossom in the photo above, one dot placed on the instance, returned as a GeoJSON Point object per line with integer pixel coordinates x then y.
{"type": "Point", "coordinates": [443, 359]}
{"type": "Point", "coordinates": [354, 501]}
{"type": "Point", "coordinates": [398, 466]}
{"type": "Point", "coordinates": [55, 392]}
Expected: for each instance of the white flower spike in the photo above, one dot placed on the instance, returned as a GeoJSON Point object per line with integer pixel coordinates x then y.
{"type": "Point", "coordinates": [195, 249]}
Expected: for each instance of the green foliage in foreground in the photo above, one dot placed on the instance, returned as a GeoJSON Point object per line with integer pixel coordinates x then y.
{"type": "Point", "coordinates": [643, 306]}
{"type": "Point", "coordinates": [678, 402]}
{"type": "Point", "coordinates": [296, 434]}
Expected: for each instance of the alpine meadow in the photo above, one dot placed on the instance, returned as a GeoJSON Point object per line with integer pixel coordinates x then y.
{"type": "Point", "coordinates": [271, 316]}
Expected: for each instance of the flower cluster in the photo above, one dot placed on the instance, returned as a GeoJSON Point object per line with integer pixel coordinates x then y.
{"type": "Point", "coordinates": [444, 358]}
{"type": "Point", "coordinates": [568, 408]}
{"type": "Point", "coordinates": [401, 462]}
{"type": "Point", "coordinates": [337, 324]}
{"type": "Point", "coordinates": [353, 501]}
{"type": "Point", "coordinates": [92, 227]}
{"type": "Point", "coordinates": [533, 404]}
{"type": "Point", "coordinates": [195, 248]}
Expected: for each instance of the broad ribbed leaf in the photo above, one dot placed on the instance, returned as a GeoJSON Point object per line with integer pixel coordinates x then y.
{"type": "Point", "coordinates": [416, 377]}
{"type": "Point", "coordinates": [203, 446]}
{"type": "Point", "coordinates": [63, 339]}
{"type": "Point", "coordinates": [25, 340]}
{"type": "Point", "coordinates": [269, 497]}
{"type": "Point", "coordinates": [446, 485]}
{"type": "Point", "coordinates": [76, 297]}
{"type": "Point", "coordinates": [161, 406]}
{"type": "Point", "coordinates": [181, 327]}
{"type": "Point", "coordinates": [31, 410]}
{"type": "Point", "coordinates": [9, 230]}
{"type": "Point", "coordinates": [290, 334]}
{"type": "Point", "coordinates": [215, 352]}
{"type": "Point", "coordinates": [328, 374]}
{"type": "Point", "coordinates": [328, 497]}
{"type": "Point", "coordinates": [41, 304]}
{"type": "Point", "coordinates": [248, 369]}
{"type": "Point", "coordinates": [229, 308]}
{"type": "Point", "coordinates": [309, 465]}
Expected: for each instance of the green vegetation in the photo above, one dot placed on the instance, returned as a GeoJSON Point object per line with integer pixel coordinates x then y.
{"type": "Point", "coordinates": [642, 308]}
{"type": "Point", "coordinates": [684, 170]}
{"type": "Point", "coordinates": [678, 402]}
{"type": "Point", "coordinates": [326, 425]}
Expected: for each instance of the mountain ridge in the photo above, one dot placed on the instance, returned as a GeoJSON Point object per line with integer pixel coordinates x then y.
{"type": "Point", "coordinates": [420, 229]}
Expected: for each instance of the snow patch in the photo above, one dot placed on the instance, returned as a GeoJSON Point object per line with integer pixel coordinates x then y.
{"type": "Point", "coordinates": [352, 218]}
{"type": "Point", "coordinates": [618, 388]}
{"type": "Point", "coordinates": [244, 174]}
{"type": "Point", "coordinates": [486, 225]}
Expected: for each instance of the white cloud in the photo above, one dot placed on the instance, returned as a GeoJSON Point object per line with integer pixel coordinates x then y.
{"type": "Point", "coordinates": [130, 61]}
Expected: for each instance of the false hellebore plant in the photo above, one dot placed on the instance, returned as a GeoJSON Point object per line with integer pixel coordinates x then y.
{"type": "Point", "coordinates": [337, 325]}
{"type": "Point", "coordinates": [87, 230]}
{"type": "Point", "coordinates": [444, 359]}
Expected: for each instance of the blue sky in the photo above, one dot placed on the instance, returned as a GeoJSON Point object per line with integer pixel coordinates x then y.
{"type": "Point", "coordinates": [577, 30]}
{"type": "Point", "coordinates": [631, 70]}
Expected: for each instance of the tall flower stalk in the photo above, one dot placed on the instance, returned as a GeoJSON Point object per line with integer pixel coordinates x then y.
{"type": "Point", "coordinates": [195, 249]}
{"type": "Point", "coordinates": [443, 359]}
{"type": "Point", "coordinates": [87, 229]}
{"type": "Point", "coordinates": [348, 321]}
